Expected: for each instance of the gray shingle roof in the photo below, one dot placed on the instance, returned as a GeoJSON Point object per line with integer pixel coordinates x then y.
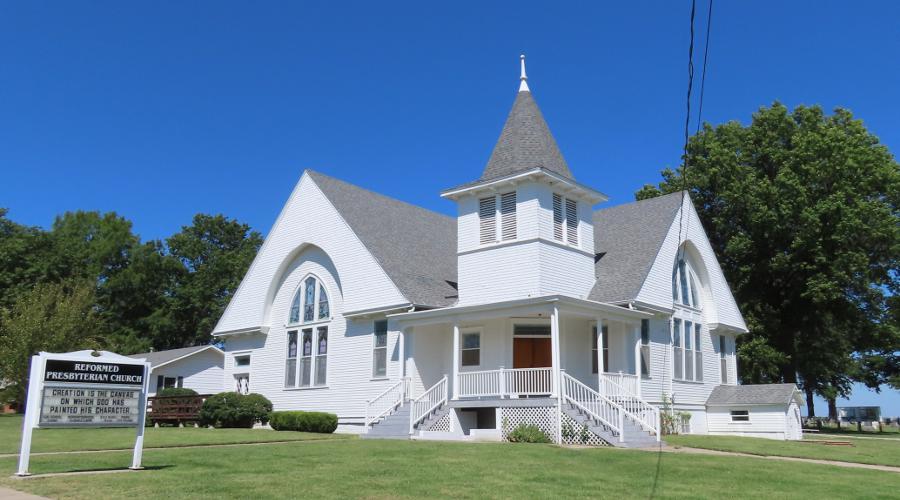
{"type": "Point", "coordinates": [525, 143]}
{"type": "Point", "coordinates": [415, 247]}
{"type": "Point", "coordinates": [760, 394]}
{"type": "Point", "coordinates": [629, 236]}
{"type": "Point", "coordinates": [157, 358]}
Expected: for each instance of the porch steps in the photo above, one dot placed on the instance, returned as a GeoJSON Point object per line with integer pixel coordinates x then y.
{"type": "Point", "coordinates": [635, 435]}
{"type": "Point", "coordinates": [434, 417]}
{"type": "Point", "coordinates": [393, 426]}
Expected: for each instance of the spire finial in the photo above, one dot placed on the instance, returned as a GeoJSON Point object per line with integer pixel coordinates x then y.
{"type": "Point", "coordinates": [523, 87]}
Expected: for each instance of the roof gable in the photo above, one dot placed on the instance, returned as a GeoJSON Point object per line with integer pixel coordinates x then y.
{"type": "Point", "coordinates": [415, 247]}
{"type": "Point", "coordinates": [627, 239]}
{"type": "Point", "coordinates": [525, 143]}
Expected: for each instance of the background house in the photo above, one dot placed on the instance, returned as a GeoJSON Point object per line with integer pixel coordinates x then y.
{"type": "Point", "coordinates": [199, 368]}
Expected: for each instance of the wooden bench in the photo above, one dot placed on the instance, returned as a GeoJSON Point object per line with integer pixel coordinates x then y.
{"type": "Point", "coordinates": [175, 409]}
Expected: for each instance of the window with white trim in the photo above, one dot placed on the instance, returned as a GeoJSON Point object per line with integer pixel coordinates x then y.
{"type": "Point", "coordinates": [306, 362]}
{"type": "Point", "coordinates": [723, 360]}
{"type": "Point", "coordinates": [678, 350]}
{"type": "Point", "coordinates": [470, 354]}
{"type": "Point", "coordinates": [379, 349]}
{"type": "Point", "coordinates": [687, 326]}
{"type": "Point", "coordinates": [740, 415]}
{"type": "Point", "coordinates": [308, 304]}
{"type": "Point", "coordinates": [565, 219]}
{"type": "Point", "coordinates": [594, 361]}
{"type": "Point", "coordinates": [698, 354]}
{"type": "Point", "coordinates": [645, 347]}
{"type": "Point", "coordinates": [684, 285]}
{"type": "Point", "coordinates": [242, 361]}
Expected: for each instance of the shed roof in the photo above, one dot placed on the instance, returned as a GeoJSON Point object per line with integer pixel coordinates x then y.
{"type": "Point", "coordinates": [415, 247]}
{"type": "Point", "coordinates": [157, 358]}
{"type": "Point", "coordinates": [754, 394]}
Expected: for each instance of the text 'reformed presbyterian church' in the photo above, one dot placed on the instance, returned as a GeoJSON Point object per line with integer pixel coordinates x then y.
{"type": "Point", "coordinates": [528, 307]}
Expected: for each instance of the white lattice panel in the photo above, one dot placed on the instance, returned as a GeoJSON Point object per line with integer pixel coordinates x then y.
{"type": "Point", "coordinates": [543, 417]}
{"type": "Point", "coordinates": [442, 424]}
{"type": "Point", "coordinates": [575, 433]}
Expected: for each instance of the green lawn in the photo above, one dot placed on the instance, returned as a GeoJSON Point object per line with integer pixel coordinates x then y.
{"type": "Point", "coordinates": [390, 469]}
{"type": "Point", "coordinates": [850, 432]}
{"type": "Point", "coordinates": [866, 451]}
{"type": "Point", "coordinates": [122, 438]}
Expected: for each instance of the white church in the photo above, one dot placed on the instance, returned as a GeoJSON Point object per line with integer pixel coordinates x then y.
{"type": "Point", "coordinates": [529, 307]}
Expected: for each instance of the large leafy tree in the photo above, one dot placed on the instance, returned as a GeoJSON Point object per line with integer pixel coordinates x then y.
{"type": "Point", "coordinates": [214, 252]}
{"type": "Point", "coordinates": [54, 317]}
{"type": "Point", "coordinates": [802, 209]}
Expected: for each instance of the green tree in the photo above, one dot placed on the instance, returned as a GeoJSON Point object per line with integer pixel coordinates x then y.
{"type": "Point", "coordinates": [215, 252]}
{"type": "Point", "coordinates": [53, 317]}
{"type": "Point", "coordinates": [801, 209]}
{"type": "Point", "coordinates": [24, 253]}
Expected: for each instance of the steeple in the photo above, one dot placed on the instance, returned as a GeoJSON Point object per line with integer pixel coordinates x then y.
{"type": "Point", "coordinates": [525, 142]}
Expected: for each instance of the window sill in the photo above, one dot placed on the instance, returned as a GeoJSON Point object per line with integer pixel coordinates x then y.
{"type": "Point", "coordinates": [308, 324]}
{"type": "Point", "coordinates": [310, 388]}
{"type": "Point", "coordinates": [379, 379]}
{"type": "Point", "coordinates": [684, 381]}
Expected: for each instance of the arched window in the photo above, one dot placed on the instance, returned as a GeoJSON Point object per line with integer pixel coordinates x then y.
{"type": "Point", "coordinates": [687, 323]}
{"type": "Point", "coordinates": [306, 363]}
{"type": "Point", "coordinates": [684, 285]}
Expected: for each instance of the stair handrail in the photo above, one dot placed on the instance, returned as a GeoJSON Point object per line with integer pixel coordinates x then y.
{"type": "Point", "coordinates": [596, 405]}
{"type": "Point", "coordinates": [391, 398]}
{"type": "Point", "coordinates": [636, 407]}
{"type": "Point", "coordinates": [427, 402]}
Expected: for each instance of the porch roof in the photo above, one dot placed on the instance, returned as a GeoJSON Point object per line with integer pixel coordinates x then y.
{"type": "Point", "coordinates": [543, 304]}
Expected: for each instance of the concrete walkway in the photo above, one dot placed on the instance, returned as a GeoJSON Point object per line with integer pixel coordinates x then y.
{"type": "Point", "coordinates": [852, 465]}
{"type": "Point", "coordinates": [9, 494]}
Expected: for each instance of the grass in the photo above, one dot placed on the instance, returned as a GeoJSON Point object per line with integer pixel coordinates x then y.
{"type": "Point", "coordinates": [45, 440]}
{"type": "Point", "coordinates": [864, 451]}
{"type": "Point", "coordinates": [849, 430]}
{"type": "Point", "coordinates": [394, 469]}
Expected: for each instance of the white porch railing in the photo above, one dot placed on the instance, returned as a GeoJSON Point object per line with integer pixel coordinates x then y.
{"type": "Point", "coordinates": [505, 382]}
{"type": "Point", "coordinates": [429, 401]}
{"type": "Point", "coordinates": [635, 407]}
{"type": "Point", "coordinates": [386, 402]}
{"type": "Point", "coordinates": [594, 404]}
{"type": "Point", "coordinates": [612, 382]}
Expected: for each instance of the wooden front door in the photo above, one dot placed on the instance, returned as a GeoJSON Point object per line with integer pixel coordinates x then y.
{"type": "Point", "coordinates": [531, 353]}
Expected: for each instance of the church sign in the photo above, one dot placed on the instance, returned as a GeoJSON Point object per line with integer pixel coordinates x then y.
{"type": "Point", "coordinates": [85, 389]}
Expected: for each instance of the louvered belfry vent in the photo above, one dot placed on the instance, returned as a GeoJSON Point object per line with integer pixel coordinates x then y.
{"type": "Point", "coordinates": [572, 221]}
{"type": "Point", "coordinates": [487, 215]}
{"type": "Point", "coordinates": [558, 217]}
{"type": "Point", "coordinates": [508, 216]}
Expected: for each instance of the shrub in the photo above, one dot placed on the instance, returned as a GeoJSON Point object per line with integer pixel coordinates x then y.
{"type": "Point", "coordinates": [176, 391]}
{"type": "Point", "coordinates": [526, 433]}
{"type": "Point", "coordinates": [230, 409]}
{"type": "Point", "coordinates": [303, 421]}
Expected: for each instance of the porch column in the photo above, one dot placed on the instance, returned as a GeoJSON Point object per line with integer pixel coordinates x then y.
{"type": "Point", "coordinates": [600, 366]}
{"type": "Point", "coordinates": [636, 333]}
{"type": "Point", "coordinates": [401, 347]}
{"type": "Point", "coordinates": [455, 370]}
{"type": "Point", "coordinates": [557, 375]}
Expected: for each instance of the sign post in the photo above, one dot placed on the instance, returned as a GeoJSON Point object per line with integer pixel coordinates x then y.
{"type": "Point", "coordinates": [85, 389]}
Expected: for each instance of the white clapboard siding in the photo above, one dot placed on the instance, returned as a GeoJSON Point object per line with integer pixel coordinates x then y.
{"type": "Point", "coordinates": [719, 306]}
{"type": "Point", "coordinates": [201, 372]}
{"type": "Point", "coordinates": [308, 219]}
{"type": "Point", "coordinates": [768, 421]}
{"type": "Point", "coordinates": [349, 381]}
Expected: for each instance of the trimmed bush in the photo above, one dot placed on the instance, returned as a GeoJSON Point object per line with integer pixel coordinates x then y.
{"type": "Point", "coordinates": [526, 433]}
{"type": "Point", "coordinates": [177, 391]}
{"type": "Point", "coordinates": [303, 421]}
{"type": "Point", "coordinates": [230, 409]}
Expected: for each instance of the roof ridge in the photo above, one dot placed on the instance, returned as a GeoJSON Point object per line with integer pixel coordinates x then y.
{"type": "Point", "coordinates": [636, 202]}
{"type": "Point", "coordinates": [376, 193]}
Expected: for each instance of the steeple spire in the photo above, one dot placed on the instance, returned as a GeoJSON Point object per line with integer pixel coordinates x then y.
{"type": "Point", "coordinates": [523, 87]}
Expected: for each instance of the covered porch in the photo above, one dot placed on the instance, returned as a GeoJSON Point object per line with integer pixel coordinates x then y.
{"type": "Point", "coordinates": [522, 349]}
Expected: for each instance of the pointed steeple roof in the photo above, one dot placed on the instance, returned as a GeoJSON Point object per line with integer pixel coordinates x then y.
{"type": "Point", "coordinates": [525, 142]}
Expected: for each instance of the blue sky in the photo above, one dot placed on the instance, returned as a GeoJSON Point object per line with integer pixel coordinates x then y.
{"type": "Point", "coordinates": [160, 110]}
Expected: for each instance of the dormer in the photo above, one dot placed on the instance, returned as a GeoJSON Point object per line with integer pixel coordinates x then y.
{"type": "Point", "coordinates": [525, 226]}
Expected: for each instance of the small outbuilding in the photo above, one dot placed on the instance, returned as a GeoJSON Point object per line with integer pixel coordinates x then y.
{"type": "Point", "coordinates": [199, 368]}
{"type": "Point", "coordinates": [765, 410]}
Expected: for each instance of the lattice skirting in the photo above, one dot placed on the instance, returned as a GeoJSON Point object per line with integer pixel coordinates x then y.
{"type": "Point", "coordinates": [442, 424]}
{"type": "Point", "coordinates": [575, 433]}
{"type": "Point", "coordinates": [544, 417]}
